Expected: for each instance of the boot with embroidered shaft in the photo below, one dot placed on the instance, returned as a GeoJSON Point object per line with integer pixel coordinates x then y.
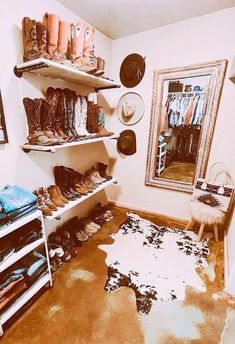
{"type": "Point", "coordinates": [52, 96]}
{"type": "Point", "coordinates": [35, 134]}
{"type": "Point", "coordinates": [60, 115]}
{"type": "Point", "coordinates": [101, 120]}
{"type": "Point", "coordinates": [42, 40]}
{"type": "Point", "coordinates": [77, 36]}
{"type": "Point", "coordinates": [82, 47]}
{"type": "Point", "coordinates": [66, 108]}
{"type": "Point", "coordinates": [30, 44]}
{"type": "Point", "coordinates": [51, 22]}
{"type": "Point", "coordinates": [45, 119]}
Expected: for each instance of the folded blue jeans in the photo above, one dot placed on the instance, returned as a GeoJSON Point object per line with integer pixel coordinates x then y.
{"type": "Point", "coordinates": [14, 197]}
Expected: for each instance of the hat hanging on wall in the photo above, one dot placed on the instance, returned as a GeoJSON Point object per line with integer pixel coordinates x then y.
{"type": "Point", "coordinates": [126, 142]}
{"type": "Point", "coordinates": [132, 70]}
{"type": "Point", "coordinates": [130, 108]}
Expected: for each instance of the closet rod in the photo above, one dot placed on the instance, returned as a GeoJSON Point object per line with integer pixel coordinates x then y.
{"type": "Point", "coordinates": [186, 93]}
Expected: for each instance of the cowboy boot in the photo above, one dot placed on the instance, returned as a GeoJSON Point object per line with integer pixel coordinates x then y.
{"type": "Point", "coordinates": [52, 96]}
{"type": "Point", "coordinates": [42, 40]}
{"type": "Point", "coordinates": [61, 117]}
{"type": "Point", "coordinates": [82, 37]}
{"type": "Point", "coordinates": [51, 22]}
{"type": "Point", "coordinates": [71, 98]}
{"type": "Point", "coordinates": [100, 67]}
{"type": "Point", "coordinates": [36, 136]}
{"type": "Point", "coordinates": [90, 61]}
{"type": "Point", "coordinates": [45, 119]}
{"type": "Point", "coordinates": [77, 182]}
{"type": "Point", "coordinates": [77, 35]}
{"type": "Point", "coordinates": [67, 112]}
{"type": "Point", "coordinates": [62, 181]}
{"type": "Point", "coordinates": [90, 113]}
{"type": "Point", "coordinates": [102, 171]}
{"type": "Point", "coordinates": [69, 181]}
{"type": "Point", "coordinates": [64, 31]}
{"type": "Point", "coordinates": [101, 122]}
{"type": "Point", "coordinates": [29, 39]}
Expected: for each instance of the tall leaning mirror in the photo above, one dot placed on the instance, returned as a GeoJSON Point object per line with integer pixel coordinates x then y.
{"type": "Point", "coordinates": [184, 107]}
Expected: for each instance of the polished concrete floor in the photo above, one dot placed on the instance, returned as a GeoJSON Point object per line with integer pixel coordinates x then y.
{"type": "Point", "coordinates": [77, 310]}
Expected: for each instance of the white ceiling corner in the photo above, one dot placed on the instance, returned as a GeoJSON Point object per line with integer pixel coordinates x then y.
{"type": "Point", "coordinates": [121, 18]}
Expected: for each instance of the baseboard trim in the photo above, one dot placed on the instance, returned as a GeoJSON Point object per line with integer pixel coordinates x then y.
{"type": "Point", "coordinates": [180, 221]}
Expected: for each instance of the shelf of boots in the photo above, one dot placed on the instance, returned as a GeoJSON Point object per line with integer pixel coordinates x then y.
{"type": "Point", "coordinates": [56, 214]}
{"type": "Point", "coordinates": [48, 68]}
{"type": "Point", "coordinates": [51, 149]}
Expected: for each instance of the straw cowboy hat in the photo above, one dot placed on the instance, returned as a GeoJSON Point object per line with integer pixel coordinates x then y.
{"type": "Point", "coordinates": [130, 108]}
{"type": "Point", "coordinates": [132, 70]}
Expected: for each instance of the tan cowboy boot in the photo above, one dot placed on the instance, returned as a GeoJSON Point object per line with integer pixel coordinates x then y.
{"type": "Point", "coordinates": [29, 39]}
{"type": "Point", "coordinates": [42, 40]}
{"type": "Point", "coordinates": [51, 22]}
{"type": "Point", "coordinates": [64, 31]}
{"type": "Point", "coordinates": [82, 42]}
{"type": "Point", "coordinates": [77, 35]}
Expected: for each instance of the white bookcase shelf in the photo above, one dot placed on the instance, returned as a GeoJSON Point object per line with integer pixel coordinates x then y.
{"type": "Point", "coordinates": [20, 254]}
{"type": "Point", "coordinates": [11, 227]}
{"type": "Point", "coordinates": [27, 295]}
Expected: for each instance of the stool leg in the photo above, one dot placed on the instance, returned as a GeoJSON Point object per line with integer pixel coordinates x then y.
{"type": "Point", "coordinates": [216, 233]}
{"type": "Point", "coordinates": [200, 231]}
{"type": "Point", "coordinates": [190, 223]}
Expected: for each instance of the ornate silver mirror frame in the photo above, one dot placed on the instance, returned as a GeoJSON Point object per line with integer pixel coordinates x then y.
{"type": "Point", "coordinates": [214, 73]}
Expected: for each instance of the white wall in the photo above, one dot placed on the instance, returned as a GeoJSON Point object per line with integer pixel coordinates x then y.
{"type": "Point", "coordinates": [36, 169]}
{"type": "Point", "coordinates": [202, 39]}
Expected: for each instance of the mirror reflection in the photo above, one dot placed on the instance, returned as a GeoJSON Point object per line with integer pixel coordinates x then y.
{"type": "Point", "coordinates": [183, 111]}
{"type": "Point", "coordinates": [185, 101]}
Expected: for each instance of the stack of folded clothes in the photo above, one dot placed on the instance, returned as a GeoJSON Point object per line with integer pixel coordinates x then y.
{"type": "Point", "coordinates": [25, 236]}
{"type": "Point", "coordinates": [15, 202]}
{"type": "Point", "coordinates": [20, 276]}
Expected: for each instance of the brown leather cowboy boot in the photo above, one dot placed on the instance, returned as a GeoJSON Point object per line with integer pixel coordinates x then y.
{"type": "Point", "coordinates": [66, 107]}
{"type": "Point", "coordinates": [45, 118]}
{"type": "Point", "coordinates": [42, 40]}
{"type": "Point", "coordinates": [29, 39]}
{"type": "Point", "coordinates": [36, 136]}
{"type": "Point", "coordinates": [53, 97]}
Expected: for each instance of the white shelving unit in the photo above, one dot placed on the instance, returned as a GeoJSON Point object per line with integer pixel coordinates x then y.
{"type": "Point", "coordinates": [71, 204]}
{"type": "Point", "coordinates": [56, 70]}
{"type": "Point", "coordinates": [52, 149]}
{"type": "Point", "coordinates": [161, 158]}
{"type": "Point", "coordinates": [42, 281]}
{"type": "Point", "coordinates": [23, 299]}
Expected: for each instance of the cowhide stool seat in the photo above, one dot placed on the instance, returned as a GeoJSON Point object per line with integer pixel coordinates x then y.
{"type": "Point", "coordinates": [205, 215]}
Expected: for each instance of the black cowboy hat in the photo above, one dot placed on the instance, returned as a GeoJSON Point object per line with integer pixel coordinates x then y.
{"type": "Point", "coordinates": [132, 70]}
{"type": "Point", "coordinates": [126, 142]}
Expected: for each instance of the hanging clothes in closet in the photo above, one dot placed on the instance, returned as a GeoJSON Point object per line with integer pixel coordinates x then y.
{"type": "Point", "coordinates": [184, 109]}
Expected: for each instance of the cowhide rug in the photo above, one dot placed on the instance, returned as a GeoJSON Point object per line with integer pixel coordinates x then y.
{"type": "Point", "coordinates": [156, 262]}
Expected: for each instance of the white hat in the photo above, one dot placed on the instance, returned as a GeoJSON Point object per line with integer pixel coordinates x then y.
{"type": "Point", "coordinates": [130, 108]}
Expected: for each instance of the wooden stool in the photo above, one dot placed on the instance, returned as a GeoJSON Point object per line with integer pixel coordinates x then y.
{"type": "Point", "coordinates": [201, 229]}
